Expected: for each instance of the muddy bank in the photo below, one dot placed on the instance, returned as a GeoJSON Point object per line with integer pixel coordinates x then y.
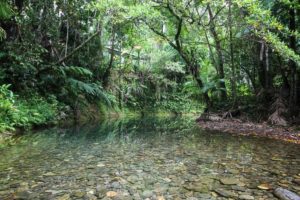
{"type": "Point", "coordinates": [238, 127]}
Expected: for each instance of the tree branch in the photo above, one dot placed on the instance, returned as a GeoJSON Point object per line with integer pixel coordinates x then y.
{"type": "Point", "coordinates": [78, 47]}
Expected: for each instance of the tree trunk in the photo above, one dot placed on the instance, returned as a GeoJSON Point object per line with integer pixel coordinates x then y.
{"type": "Point", "coordinates": [100, 53]}
{"type": "Point", "coordinates": [233, 70]}
{"type": "Point", "coordinates": [293, 101]}
{"type": "Point", "coordinates": [219, 53]}
{"type": "Point", "coordinates": [205, 94]}
{"type": "Point", "coordinates": [193, 67]}
{"type": "Point", "coordinates": [211, 52]}
{"type": "Point", "coordinates": [285, 88]}
{"type": "Point", "coordinates": [264, 70]}
{"type": "Point", "coordinates": [67, 38]}
{"type": "Point", "coordinates": [268, 75]}
{"type": "Point", "coordinates": [19, 4]}
{"type": "Point", "coordinates": [106, 75]}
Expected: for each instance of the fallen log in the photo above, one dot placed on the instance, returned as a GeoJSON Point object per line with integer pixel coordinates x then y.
{"type": "Point", "coordinates": [285, 194]}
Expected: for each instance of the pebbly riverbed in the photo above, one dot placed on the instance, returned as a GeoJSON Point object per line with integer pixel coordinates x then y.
{"type": "Point", "coordinates": [147, 158]}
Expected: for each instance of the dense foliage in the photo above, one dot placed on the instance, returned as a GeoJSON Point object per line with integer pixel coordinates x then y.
{"type": "Point", "coordinates": [171, 55]}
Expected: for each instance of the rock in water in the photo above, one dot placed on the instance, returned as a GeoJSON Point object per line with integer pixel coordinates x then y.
{"type": "Point", "coordinates": [147, 194]}
{"type": "Point", "coordinates": [229, 181]}
{"type": "Point", "coordinates": [111, 194]}
{"type": "Point", "coordinates": [264, 186]}
{"type": "Point", "coordinates": [79, 193]}
{"type": "Point", "coordinates": [225, 193]}
{"type": "Point", "coordinates": [246, 197]}
{"type": "Point", "coordinates": [24, 195]}
{"type": "Point", "coordinates": [284, 194]}
{"type": "Point", "coordinates": [64, 197]}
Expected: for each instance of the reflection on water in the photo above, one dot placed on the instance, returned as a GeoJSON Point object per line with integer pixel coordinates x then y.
{"type": "Point", "coordinates": [145, 159]}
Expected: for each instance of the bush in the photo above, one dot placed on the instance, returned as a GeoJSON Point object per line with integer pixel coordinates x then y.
{"type": "Point", "coordinates": [7, 108]}
{"type": "Point", "coordinates": [180, 103]}
{"type": "Point", "coordinates": [17, 112]}
{"type": "Point", "coordinates": [36, 110]}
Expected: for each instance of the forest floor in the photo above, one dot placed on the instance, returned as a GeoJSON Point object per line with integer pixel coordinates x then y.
{"type": "Point", "coordinates": [235, 126]}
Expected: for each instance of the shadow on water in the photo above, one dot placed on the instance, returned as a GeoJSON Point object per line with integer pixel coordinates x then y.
{"type": "Point", "coordinates": [137, 158]}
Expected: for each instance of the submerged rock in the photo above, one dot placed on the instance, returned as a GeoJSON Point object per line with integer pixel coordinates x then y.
{"type": "Point", "coordinates": [246, 197]}
{"type": "Point", "coordinates": [49, 174]}
{"type": "Point", "coordinates": [90, 197]}
{"type": "Point", "coordinates": [264, 186]}
{"type": "Point", "coordinates": [147, 194]}
{"type": "Point", "coordinates": [14, 185]}
{"type": "Point", "coordinates": [285, 194]}
{"type": "Point", "coordinates": [133, 179]}
{"type": "Point", "coordinates": [297, 181]}
{"type": "Point", "coordinates": [230, 181]}
{"type": "Point", "coordinates": [204, 196]}
{"type": "Point", "coordinates": [23, 195]}
{"type": "Point", "coordinates": [101, 191]}
{"type": "Point", "coordinates": [192, 198]}
{"type": "Point", "coordinates": [64, 197]}
{"type": "Point", "coordinates": [233, 171]}
{"type": "Point", "coordinates": [160, 198]}
{"type": "Point", "coordinates": [197, 187]}
{"type": "Point", "coordinates": [116, 185]}
{"type": "Point", "coordinates": [238, 188]}
{"type": "Point", "coordinates": [225, 193]}
{"type": "Point", "coordinates": [79, 194]}
{"type": "Point", "coordinates": [111, 194]}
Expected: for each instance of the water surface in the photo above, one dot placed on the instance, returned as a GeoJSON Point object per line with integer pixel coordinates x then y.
{"type": "Point", "coordinates": [147, 158]}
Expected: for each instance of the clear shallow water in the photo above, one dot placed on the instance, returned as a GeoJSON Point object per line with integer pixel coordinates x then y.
{"type": "Point", "coordinates": [146, 158]}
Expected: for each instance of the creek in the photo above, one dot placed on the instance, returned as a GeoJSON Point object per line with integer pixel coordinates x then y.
{"type": "Point", "coordinates": [149, 158]}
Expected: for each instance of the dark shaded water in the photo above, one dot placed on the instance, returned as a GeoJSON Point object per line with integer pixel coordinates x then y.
{"type": "Point", "coordinates": [145, 159]}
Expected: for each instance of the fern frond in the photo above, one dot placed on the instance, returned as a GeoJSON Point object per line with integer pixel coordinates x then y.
{"type": "Point", "coordinates": [77, 71]}
{"type": "Point", "coordinates": [88, 89]}
{"type": "Point", "coordinates": [5, 10]}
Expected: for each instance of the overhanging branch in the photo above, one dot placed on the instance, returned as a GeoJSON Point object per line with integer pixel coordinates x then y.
{"type": "Point", "coordinates": [78, 47]}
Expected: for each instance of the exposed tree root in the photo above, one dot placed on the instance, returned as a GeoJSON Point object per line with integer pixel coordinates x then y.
{"type": "Point", "coordinates": [279, 110]}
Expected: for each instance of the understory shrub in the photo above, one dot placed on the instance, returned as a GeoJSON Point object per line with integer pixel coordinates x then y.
{"type": "Point", "coordinates": [19, 112]}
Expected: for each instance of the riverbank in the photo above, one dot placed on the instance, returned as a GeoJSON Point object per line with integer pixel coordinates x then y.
{"type": "Point", "coordinates": [246, 128]}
